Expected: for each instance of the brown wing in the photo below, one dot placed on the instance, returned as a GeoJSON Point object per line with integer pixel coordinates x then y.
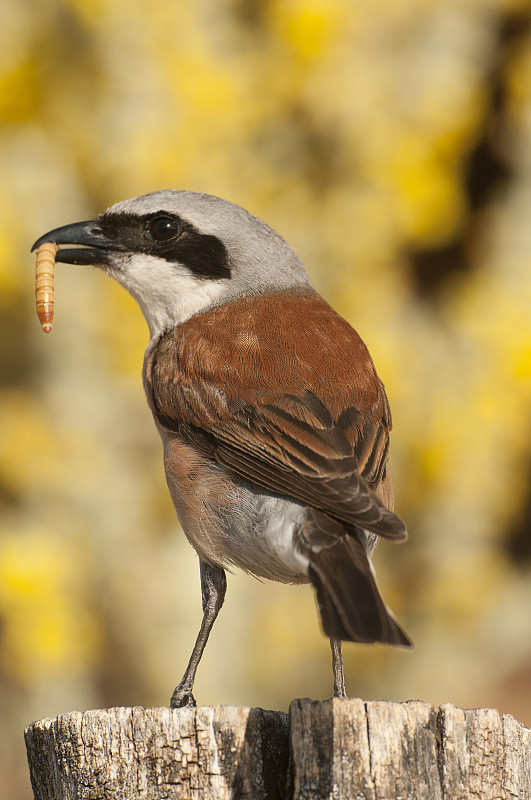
{"type": "Point", "coordinates": [316, 430]}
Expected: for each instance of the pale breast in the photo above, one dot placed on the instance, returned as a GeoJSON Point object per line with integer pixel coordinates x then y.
{"type": "Point", "coordinates": [231, 523]}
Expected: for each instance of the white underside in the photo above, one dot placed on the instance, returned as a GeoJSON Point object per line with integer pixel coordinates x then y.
{"type": "Point", "coordinates": [258, 537]}
{"type": "Point", "coordinates": [256, 534]}
{"type": "Point", "coordinates": [267, 547]}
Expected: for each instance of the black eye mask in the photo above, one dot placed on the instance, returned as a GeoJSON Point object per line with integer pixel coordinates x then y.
{"type": "Point", "coordinates": [170, 237]}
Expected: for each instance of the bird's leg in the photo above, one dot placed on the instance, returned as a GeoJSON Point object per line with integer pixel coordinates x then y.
{"type": "Point", "coordinates": [337, 667]}
{"type": "Point", "coordinates": [213, 587]}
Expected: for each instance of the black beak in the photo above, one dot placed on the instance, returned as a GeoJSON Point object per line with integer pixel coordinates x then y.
{"type": "Point", "coordinates": [98, 249]}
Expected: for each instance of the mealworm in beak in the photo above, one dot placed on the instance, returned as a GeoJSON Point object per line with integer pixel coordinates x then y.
{"type": "Point", "coordinates": [44, 285]}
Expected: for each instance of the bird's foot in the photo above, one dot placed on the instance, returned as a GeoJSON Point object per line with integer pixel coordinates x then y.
{"type": "Point", "coordinates": [182, 697]}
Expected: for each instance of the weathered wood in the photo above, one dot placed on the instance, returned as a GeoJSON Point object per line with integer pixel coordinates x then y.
{"type": "Point", "coordinates": [159, 753]}
{"type": "Point", "coordinates": [415, 751]}
{"type": "Point", "coordinates": [336, 749]}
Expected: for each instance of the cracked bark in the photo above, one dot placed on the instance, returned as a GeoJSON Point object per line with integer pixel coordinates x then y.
{"type": "Point", "coordinates": [323, 750]}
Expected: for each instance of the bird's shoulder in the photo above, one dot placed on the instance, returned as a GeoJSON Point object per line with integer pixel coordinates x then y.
{"type": "Point", "coordinates": [258, 348]}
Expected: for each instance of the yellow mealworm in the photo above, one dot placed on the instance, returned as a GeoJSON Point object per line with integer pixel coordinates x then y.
{"type": "Point", "coordinates": [44, 287]}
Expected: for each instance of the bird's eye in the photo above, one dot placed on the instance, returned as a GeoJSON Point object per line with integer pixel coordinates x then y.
{"type": "Point", "coordinates": [162, 229]}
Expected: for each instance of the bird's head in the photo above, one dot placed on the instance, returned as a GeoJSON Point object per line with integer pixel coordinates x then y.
{"type": "Point", "coordinates": [179, 253]}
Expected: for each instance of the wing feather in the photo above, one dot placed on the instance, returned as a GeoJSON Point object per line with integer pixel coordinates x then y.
{"type": "Point", "coordinates": [319, 436]}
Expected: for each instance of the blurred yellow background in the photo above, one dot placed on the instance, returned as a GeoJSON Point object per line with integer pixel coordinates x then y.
{"type": "Point", "coordinates": [390, 143]}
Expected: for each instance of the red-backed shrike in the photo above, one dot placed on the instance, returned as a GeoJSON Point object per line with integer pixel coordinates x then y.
{"type": "Point", "coordinates": [274, 422]}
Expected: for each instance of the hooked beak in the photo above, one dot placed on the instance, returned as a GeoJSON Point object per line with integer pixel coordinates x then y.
{"type": "Point", "coordinates": [98, 250]}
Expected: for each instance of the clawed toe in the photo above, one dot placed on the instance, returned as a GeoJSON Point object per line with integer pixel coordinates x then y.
{"type": "Point", "coordinates": [182, 698]}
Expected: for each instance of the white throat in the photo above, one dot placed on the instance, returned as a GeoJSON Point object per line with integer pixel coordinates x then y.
{"type": "Point", "coordinates": [167, 293]}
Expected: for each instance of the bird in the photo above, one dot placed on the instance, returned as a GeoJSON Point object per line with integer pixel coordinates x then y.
{"type": "Point", "coordinates": [274, 422]}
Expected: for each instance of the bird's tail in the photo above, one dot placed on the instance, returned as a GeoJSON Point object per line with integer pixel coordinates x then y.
{"type": "Point", "coordinates": [349, 601]}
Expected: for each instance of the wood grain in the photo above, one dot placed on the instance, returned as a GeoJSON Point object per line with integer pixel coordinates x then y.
{"type": "Point", "coordinates": [324, 751]}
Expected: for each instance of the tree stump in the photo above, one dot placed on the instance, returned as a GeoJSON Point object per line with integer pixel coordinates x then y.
{"type": "Point", "coordinates": [322, 751]}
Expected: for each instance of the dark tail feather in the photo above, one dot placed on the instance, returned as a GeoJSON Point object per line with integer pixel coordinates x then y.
{"type": "Point", "coordinates": [348, 598]}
